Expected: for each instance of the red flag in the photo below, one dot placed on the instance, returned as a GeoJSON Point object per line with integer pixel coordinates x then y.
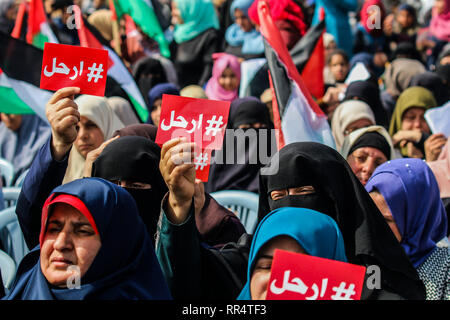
{"type": "Point", "coordinates": [36, 17]}
{"type": "Point", "coordinates": [313, 71]}
{"type": "Point", "coordinates": [23, 8]}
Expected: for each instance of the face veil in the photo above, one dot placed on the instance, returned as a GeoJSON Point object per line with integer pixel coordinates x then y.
{"type": "Point", "coordinates": [135, 159]}
{"type": "Point", "coordinates": [338, 192]}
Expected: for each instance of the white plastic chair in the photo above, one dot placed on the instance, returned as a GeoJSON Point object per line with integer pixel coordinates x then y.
{"type": "Point", "coordinates": [243, 203]}
{"type": "Point", "coordinates": [10, 196]}
{"type": "Point", "coordinates": [11, 235]}
{"type": "Point", "coordinates": [7, 171]}
{"type": "Point", "coordinates": [8, 270]}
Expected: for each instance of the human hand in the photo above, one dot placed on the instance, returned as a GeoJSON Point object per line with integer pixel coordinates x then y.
{"type": "Point", "coordinates": [433, 146]}
{"type": "Point", "coordinates": [403, 136]}
{"type": "Point", "coordinates": [93, 155]}
{"type": "Point", "coordinates": [63, 116]}
{"type": "Point", "coordinates": [178, 171]}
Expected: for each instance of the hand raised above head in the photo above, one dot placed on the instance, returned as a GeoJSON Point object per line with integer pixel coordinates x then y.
{"type": "Point", "coordinates": [178, 170]}
{"type": "Point", "coordinates": [63, 116]}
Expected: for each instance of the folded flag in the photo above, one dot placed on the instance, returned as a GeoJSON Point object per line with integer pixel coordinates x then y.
{"type": "Point", "coordinates": [296, 114]}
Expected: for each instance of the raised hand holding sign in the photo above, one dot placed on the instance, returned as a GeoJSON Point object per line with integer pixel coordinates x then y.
{"type": "Point", "coordinates": [198, 120]}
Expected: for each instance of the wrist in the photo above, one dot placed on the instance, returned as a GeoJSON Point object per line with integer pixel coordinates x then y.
{"type": "Point", "coordinates": [177, 210]}
{"type": "Point", "coordinates": [59, 149]}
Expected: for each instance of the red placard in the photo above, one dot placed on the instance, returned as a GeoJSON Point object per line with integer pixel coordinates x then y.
{"type": "Point", "coordinates": [296, 276]}
{"type": "Point", "coordinates": [199, 120]}
{"type": "Point", "coordinates": [202, 163]}
{"type": "Point", "coordinates": [74, 66]}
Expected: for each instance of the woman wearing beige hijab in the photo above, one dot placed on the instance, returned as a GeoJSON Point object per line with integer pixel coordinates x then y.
{"type": "Point", "coordinates": [103, 22]}
{"type": "Point", "coordinates": [348, 117]}
{"type": "Point", "coordinates": [97, 124]}
{"type": "Point", "coordinates": [123, 109]}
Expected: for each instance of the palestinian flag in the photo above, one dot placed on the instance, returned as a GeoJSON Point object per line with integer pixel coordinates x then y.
{"type": "Point", "coordinates": [21, 65]}
{"type": "Point", "coordinates": [296, 115]}
{"type": "Point", "coordinates": [91, 38]}
{"type": "Point", "coordinates": [144, 13]}
{"type": "Point", "coordinates": [308, 57]}
{"type": "Point", "coordinates": [39, 30]}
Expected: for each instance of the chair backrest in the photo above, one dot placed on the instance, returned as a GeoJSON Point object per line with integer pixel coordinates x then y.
{"type": "Point", "coordinates": [243, 203]}
{"type": "Point", "coordinates": [7, 171]}
{"type": "Point", "coordinates": [8, 270]}
{"type": "Point", "coordinates": [11, 236]}
{"type": "Point", "coordinates": [10, 196]}
{"type": "Point", "coordinates": [20, 179]}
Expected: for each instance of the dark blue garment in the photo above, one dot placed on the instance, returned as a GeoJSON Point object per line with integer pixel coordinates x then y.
{"type": "Point", "coordinates": [157, 92]}
{"type": "Point", "coordinates": [412, 194]}
{"type": "Point", "coordinates": [45, 174]}
{"type": "Point", "coordinates": [125, 267]}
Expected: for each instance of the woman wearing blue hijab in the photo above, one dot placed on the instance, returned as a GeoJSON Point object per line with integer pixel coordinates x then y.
{"type": "Point", "coordinates": [314, 233]}
{"type": "Point", "coordinates": [93, 227]}
{"type": "Point", "coordinates": [155, 100]}
{"type": "Point", "coordinates": [197, 37]}
{"type": "Point", "coordinates": [407, 194]}
{"type": "Point", "coordinates": [243, 40]}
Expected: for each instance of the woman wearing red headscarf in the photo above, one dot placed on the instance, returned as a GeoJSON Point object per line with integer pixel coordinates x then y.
{"type": "Point", "coordinates": [369, 36]}
{"type": "Point", "coordinates": [288, 17]}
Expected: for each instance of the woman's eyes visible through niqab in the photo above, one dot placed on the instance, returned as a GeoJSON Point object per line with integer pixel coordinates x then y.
{"type": "Point", "coordinates": [297, 191]}
{"type": "Point", "coordinates": [132, 185]}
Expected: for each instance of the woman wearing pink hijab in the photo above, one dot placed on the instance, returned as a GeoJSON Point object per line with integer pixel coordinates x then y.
{"type": "Point", "coordinates": [226, 76]}
{"type": "Point", "coordinates": [440, 21]}
{"type": "Point", "coordinates": [437, 35]}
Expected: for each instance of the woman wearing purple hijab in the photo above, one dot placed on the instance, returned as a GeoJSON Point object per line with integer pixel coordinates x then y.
{"type": "Point", "coordinates": [407, 194]}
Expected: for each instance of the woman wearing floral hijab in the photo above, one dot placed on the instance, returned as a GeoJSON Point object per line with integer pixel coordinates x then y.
{"type": "Point", "coordinates": [406, 192]}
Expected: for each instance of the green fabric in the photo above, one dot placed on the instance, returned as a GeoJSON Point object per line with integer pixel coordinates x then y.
{"type": "Point", "coordinates": [198, 16]}
{"type": "Point", "coordinates": [414, 97]}
{"type": "Point", "coordinates": [177, 251]}
{"type": "Point", "coordinates": [39, 40]}
{"type": "Point", "coordinates": [142, 111]}
{"type": "Point", "coordinates": [11, 103]}
{"type": "Point", "coordinates": [144, 16]}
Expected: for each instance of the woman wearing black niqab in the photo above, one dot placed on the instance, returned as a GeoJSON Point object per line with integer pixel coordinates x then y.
{"type": "Point", "coordinates": [133, 163]}
{"type": "Point", "coordinates": [244, 112]}
{"type": "Point", "coordinates": [339, 194]}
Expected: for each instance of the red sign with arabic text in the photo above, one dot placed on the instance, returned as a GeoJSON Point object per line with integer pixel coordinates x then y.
{"type": "Point", "coordinates": [296, 276]}
{"type": "Point", "coordinates": [74, 66]}
{"type": "Point", "coordinates": [199, 120]}
{"type": "Point", "coordinates": [202, 163]}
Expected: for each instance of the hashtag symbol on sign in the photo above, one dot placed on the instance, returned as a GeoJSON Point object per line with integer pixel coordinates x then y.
{"type": "Point", "coordinates": [341, 293]}
{"type": "Point", "coordinates": [201, 161]}
{"type": "Point", "coordinates": [214, 126]}
{"type": "Point", "coordinates": [95, 72]}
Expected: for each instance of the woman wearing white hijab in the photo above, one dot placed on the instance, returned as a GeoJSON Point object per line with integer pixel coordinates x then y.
{"type": "Point", "coordinates": [97, 124]}
{"type": "Point", "coordinates": [348, 117]}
